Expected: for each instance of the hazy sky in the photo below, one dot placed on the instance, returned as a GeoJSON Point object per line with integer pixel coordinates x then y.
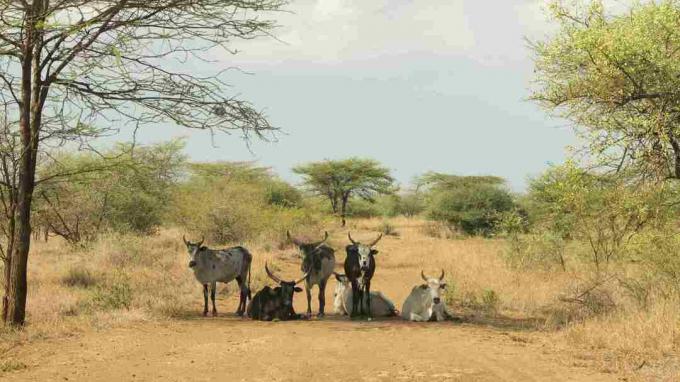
{"type": "Point", "coordinates": [419, 85]}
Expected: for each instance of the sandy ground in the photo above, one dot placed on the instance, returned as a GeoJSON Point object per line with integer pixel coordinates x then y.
{"type": "Point", "coordinates": [229, 349]}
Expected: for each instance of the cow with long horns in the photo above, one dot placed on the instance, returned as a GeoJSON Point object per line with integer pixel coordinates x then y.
{"type": "Point", "coordinates": [211, 266]}
{"type": "Point", "coordinates": [425, 302]}
{"type": "Point", "coordinates": [275, 303]}
{"type": "Point", "coordinates": [359, 269]}
{"type": "Point", "coordinates": [318, 262]}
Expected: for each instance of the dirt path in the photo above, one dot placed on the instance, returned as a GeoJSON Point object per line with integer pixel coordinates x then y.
{"type": "Point", "coordinates": [228, 349]}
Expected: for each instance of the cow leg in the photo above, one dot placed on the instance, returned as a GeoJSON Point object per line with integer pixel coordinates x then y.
{"type": "Point", "coordinates": [242, 297]}
{"type": "Point", "coordinates": [356, 300]}
{"type": "Point", "coordinates": [322, 298]}
{"type": "Point", "coordinates": [367, 295]}
{"type": "Point", "coordinates": [213, 290]}
{"type": "Point", "coordinates": [205, 300]}
{"type": "Point", "coordinates": [308, 290]}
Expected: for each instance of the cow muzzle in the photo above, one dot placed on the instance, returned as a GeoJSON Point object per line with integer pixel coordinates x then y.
{"type": "Point", "coordinates": [192, 264]}
{"type": "Point", "coordinates": [437, 300]}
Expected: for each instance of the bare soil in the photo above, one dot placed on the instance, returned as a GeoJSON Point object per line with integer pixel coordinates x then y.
{"type": "Point", "coordinates": [227, 348]}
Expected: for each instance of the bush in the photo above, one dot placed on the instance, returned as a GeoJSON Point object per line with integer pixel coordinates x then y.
{"type": "Point", "coordinates": [79, 277]}
{"type": "Point", "coordinates": [235, 203]}
{"type": "Point", "coordinates": [115, 293]}
{"type": "Point", "coordinates": [125, 190]}
{"type": "Point", "coordinates": [471, 204]}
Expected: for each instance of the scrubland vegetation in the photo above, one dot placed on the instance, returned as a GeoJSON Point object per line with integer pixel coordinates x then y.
{"type": "Point", "coordinates": [587, 256]}
{"type": "Point", "coordinates": [588, 260]}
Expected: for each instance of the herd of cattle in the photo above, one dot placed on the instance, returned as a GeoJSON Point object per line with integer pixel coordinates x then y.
{"type": "Point", "coordinates": [353, 295]}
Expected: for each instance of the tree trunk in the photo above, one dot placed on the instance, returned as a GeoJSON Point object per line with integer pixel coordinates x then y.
{"type": "Point", "coordinates": [32, 99]}
{"type": "Point", "coordinates": [343, 211]}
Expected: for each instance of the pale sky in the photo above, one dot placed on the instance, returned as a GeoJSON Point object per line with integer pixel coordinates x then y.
{"type": "Point", "coordinates": [420, 85]}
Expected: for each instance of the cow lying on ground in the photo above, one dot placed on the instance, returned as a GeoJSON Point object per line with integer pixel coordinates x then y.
{"type": "Point", "coordinates": [275, 303]}
{"type": "Point", "coordinates": [381, 306]}
{"type": "Point", "coordinates": [425, 302]}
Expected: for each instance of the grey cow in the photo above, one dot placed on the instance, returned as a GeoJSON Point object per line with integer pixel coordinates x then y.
{"type": "Point", "coordinates": [211, 266]}
{"type": "Point", "coordinates": [318, 262]}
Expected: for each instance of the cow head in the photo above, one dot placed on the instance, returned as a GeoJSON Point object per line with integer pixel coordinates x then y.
{"type": "Point", "coordinates": [307, 249]}
{"type": "Point", "coordinates": [364, 251]}
{"type": "Point", "coordinates": [434, 287]}
{"type": "Point", "coordinates": [193, 249]}
{"type": "Point", "coordinates": [285, 288]}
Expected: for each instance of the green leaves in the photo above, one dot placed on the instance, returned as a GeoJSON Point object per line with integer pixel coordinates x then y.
{"type": "Point", "coordinates": [616, 77]}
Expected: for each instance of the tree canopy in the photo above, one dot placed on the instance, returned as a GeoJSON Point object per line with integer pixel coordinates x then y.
{"type": "Point", "coordinates": [339, 180]}
{"type": "Point", "coordinates": [616, 77]}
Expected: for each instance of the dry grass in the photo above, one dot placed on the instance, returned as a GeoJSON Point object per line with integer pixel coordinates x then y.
{"type": "Point", "coordinates": [123, 279]}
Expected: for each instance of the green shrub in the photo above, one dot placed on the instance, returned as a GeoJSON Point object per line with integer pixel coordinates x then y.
{"type": "Point", "coordinates": [115, 293]}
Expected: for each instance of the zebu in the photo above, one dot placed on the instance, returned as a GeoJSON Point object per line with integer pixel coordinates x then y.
{"type": "Point", "coordinates": [359, 268]}
{"type": "Point", "coordinates": [425, 302]}
{"type": "Point", "coordinates": [318, 261]}
{"type": "Point", "coordinates": [275, 303]}
{"type": "Point", "coordinates": [211, 266]}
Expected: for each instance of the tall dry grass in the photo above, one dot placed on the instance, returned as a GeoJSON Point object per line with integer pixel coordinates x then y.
{"type": "Point", "coordinates": [122, 279]}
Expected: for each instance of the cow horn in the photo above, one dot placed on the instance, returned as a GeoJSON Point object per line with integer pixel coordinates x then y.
{"type": "Point", "coordinates": [350, 238]}
{"type": "Point", "coordinates": [422, 274]}
{"type": "Point", "coordinates": [376, 241]}
{"type": "Point", "coordinates": [200, 243]}
{"type": "Point", "coordinates": [185, 240]}
{"type": "Point", "coordinates": [270, 274]}
{"type": "Point", "coordinates": [303, 278]}
{"type": "Point", "coordinates": [441, 278]}
{"type": "Point", "coordinates": [293, 240]}
{"type": "Point", "coordinates": [322, 242]}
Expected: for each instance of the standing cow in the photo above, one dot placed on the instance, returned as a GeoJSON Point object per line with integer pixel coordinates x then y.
{"type": "Point", "coordinates": [275, 303]}
{"type": "Point", "coordinates": [318, 262]}
{"type": "Point", "coordinates": [211, 266]}
{"type": "Point", "coordinates": [359, 269]}
{"type": "Point", "coordinates": [425, 302]}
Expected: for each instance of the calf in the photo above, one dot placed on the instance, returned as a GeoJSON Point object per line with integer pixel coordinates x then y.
{"type": "Point", "coordinates": [211, 266]}
{"type": "Point", "coordinates": [425, 302]}
{"type": "Point", "coordinates": [359, 268]}
{"type": "Point", "coordinates": [318, 261]}
{"type": "Point", "coordinates": [275, 303]}
{"type": "Point", "coordinates": [381, 306]}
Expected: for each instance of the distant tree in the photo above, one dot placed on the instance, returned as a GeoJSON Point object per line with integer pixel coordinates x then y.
{"type": "Point", "coordinates": [73, 70]}
{"type": "Point", "coordinates": [615, 75]}
{"type": "Point", "coordinates": [340, 180]}
{"type": "Point", "coordinates": [472, 204]}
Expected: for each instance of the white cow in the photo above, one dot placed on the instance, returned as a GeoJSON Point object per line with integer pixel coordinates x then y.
{"type": "Point", "coordinates": [381, 306]}
{"type": "Point", "coordinates": [425, 302]}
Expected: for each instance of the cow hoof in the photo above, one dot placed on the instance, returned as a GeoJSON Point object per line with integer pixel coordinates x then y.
{"type": "Point", "coordinates": [214, 313]}
{"type": "Point", "coordinates": [205, 314]}
{"type": "Point", "coordinates": [370, 319]}
{"type": "Point", "coordinates": [239, 313]}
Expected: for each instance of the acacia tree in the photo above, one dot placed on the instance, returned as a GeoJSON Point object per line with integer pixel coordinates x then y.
{"type": "Point", "coordinates": [75, 69]}
{"type": "Point", "coordinates": [339, 180]}
{"type": "Point", "coordinates": [616, 76]}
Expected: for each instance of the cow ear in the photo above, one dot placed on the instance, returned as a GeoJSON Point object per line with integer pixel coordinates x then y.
{"type": "Point", "coordinates": [298, 289]}
{"type": "Point", "coordinates": [374, 252]}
